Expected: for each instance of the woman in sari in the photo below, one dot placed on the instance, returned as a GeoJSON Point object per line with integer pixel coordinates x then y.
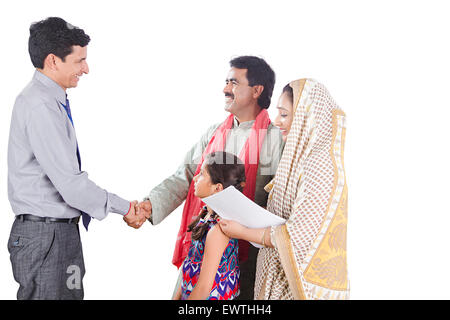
{"type": "Point", "coordinates": [306, 258]}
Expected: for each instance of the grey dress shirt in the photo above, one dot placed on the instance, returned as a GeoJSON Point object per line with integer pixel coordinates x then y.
{"type": "Point", "coordinates": [44, 178]}
{"type": "Point", "coordinates": [171, 192]}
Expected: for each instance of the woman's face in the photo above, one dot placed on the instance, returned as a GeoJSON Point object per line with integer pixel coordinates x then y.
{"type": "Point", "coordinates": [285, 114]}
{"type": "Point", "coordinates": [202, 184]}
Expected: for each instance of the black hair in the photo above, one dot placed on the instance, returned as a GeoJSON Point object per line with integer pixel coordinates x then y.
{"type": "Point", "coordinates": [258, 73]}
{"type": "Point", "coordinates": [290, 92]}
{"type": "Point", "coordinates": [56, 36]}
{"type": "Point", "coordinates": [224, 168]}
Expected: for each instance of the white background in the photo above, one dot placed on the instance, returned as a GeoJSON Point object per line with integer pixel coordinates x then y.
{"type": "Point", "coordinates": [157, 71]}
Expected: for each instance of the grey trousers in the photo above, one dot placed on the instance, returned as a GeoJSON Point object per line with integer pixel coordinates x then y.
{"type": "Point", "coordinates": [47, 260]}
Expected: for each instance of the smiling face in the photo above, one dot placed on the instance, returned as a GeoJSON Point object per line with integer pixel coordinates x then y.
{"type": "Point", "coordinates": [68, 72]}
{"type": "Point", "coordinates": [285, 114]}
{"type": "Point", "coordinates": [238, 94]}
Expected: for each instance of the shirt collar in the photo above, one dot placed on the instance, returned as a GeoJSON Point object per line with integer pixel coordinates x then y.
{"type": "Point", "coordinates": [243, 125]}
{"type": "Point", "coordinates": [54, 88]}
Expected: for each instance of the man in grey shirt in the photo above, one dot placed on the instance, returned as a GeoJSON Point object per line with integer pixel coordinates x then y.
{"type": "Point", "coordinates": [46, 187]}
{"type": "Point", "coordinates": [248, 90]}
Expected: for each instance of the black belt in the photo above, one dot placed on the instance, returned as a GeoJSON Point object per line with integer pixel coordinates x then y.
{"type": "Point", "coordinates": [30, 217]}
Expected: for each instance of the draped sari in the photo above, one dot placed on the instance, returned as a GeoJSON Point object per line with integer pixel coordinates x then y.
{"type": "Point", "coordinates": [309, 190]}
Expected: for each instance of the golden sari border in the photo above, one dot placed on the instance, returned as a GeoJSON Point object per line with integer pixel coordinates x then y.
{"type": "Point", "coordinates": [338, 139]}
{"type": "Point", "coordinates": [327, 220]}
{"type": "Point", "coordinates": [297, 87]}
{"type": "Point", "coordinates": [288, 262]}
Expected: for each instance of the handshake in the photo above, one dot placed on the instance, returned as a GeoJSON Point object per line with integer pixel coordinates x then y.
{"type": "Point", "coordinates": [139, 212]}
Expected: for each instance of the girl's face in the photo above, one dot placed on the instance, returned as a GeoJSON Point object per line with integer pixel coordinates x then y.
{"type": "Point", "coordinates": [285, 115]}
{"type": "Point", "coordinates": [203, 185]}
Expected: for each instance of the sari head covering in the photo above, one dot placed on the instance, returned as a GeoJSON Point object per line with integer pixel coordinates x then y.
{"type": "Point", "coordinates": [309, 260]}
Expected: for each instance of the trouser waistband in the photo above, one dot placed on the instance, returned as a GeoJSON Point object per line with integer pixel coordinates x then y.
{"type": "Point", "coordinates": [30, 217]}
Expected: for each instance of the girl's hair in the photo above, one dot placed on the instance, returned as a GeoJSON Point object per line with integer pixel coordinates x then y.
{"type": "Point", "coordinates": [224, 168]}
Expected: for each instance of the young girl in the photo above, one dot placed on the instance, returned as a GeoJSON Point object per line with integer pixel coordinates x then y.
{"type": "Point", "coordinates": [211, 270]}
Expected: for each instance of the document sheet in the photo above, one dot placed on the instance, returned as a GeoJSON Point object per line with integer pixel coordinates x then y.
{"type": "Point", "coordinates": [232, 204]}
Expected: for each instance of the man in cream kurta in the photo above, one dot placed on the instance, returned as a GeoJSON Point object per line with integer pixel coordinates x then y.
{"type": "Point", "coordinates": [245, 98]}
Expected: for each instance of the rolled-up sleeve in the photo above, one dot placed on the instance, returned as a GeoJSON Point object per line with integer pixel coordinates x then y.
{"type": "Point", "coordinates": [56, 154]}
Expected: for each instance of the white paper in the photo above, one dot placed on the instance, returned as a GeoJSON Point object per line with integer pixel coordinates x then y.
{"type": "Point", "coordinates": [232, 204]}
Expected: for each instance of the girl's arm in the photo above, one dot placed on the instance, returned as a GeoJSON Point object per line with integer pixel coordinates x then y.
{"type": "Point", "coordinates": [216, 242]}
{"type": "Point", "coordinates": [236, 230]}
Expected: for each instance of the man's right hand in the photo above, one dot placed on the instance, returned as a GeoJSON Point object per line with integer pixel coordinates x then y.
{"type": "Point", "coordinates": [133, 218]}
{"type": "Point", "coordinates": [145, 208]}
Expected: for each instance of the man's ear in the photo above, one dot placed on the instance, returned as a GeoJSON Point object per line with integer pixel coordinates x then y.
{"type": "Point", "coordinates": [257, 91]}
{"type": "Point", "coordinates": [50, 62]}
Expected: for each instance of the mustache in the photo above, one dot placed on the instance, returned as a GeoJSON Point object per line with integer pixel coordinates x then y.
{"type": "Point", "coordinates": [229, 95]}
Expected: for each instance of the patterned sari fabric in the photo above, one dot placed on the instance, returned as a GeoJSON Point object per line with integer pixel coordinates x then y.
{"type": "Point", "coordinates": [310, 191]}
{"type": "Point", "coordinates": [226, 281]}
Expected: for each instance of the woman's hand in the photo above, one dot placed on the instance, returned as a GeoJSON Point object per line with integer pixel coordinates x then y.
{"type": "Point", "coordinates": [232, 228]}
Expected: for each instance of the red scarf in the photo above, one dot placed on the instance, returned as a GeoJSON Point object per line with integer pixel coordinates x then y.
{"type": "Point", "coordinates": [249, 155]}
